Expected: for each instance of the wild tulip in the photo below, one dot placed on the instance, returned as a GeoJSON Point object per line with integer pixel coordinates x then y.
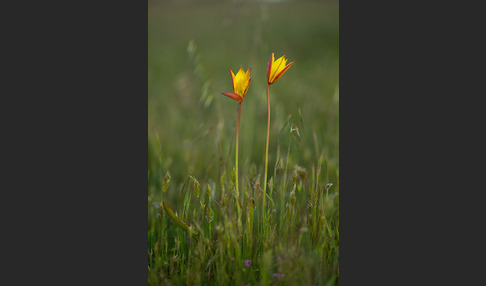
{"type": "Point", "coordinates": [275, 69]}
{"type": "Point", "coordinates": [241, 82]}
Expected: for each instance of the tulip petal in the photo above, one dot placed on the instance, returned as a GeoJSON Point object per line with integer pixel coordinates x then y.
{"type": "Point", "coordinates": [247, 85]}
{"type": "Point", "coordinates": [232, 95]}
{"type": "Point", "coordinates": [232, 79]}
{"type": "Point", "coordinates": [241, 71]}
{"type": "Point", "coordinates": [248, 73]}
{"type": "Point", "coordinates": [241, 82]}
{"type": "Point", "coordinates": [282, 72]}
{"type": "Point", "coordinates": [277, 66]}
{"type": "Point", "coordinates": [269, 68]}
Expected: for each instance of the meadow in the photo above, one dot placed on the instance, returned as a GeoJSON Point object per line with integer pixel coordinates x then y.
{"type": "Point", "coordinates": [201, 230]}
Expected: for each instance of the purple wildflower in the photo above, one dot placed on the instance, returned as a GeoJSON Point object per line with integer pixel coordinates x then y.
{"type": "Point", "coordinates": [247, 263]}
{"type": "Point", "coordinates": [278, 275]}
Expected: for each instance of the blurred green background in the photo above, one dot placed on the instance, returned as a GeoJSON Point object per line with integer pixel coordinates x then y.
{"type": "Point", "coordinates": [191, 47]}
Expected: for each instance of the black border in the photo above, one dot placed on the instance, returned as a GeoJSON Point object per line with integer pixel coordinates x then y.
{"type": "Point", "coordinates": [409, 127]}
{"type": "Point", "coordinates": [77, 138]}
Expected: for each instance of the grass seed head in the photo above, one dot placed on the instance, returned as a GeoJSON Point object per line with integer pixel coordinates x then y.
{"type": "Point", "coordinates": [166, 182]}
{"type": "Point", "coordinates": [209, 191]}
{"type": "Point", "coordinates": [196, 187]}
{"type": "Point", "coordinates": [209, 214]}
{"type": "Point", "coordinates": [293, 198]}
{"type": "Point", "coordinates": [300, 172]}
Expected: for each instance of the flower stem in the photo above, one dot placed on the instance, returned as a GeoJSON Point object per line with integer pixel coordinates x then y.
{"type": "Point", "coordinates": [236, 177]}
{"type": "Point", "coordinates": [266, 156]}
{"type": "Point", "coordinates": [237, 140]}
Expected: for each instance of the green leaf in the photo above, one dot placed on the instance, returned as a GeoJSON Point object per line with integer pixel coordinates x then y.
{"type": "Point", "coordinates": [178, 221]}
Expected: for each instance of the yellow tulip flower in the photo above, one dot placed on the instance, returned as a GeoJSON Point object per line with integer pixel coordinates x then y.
{"type": "Point", "coordinates": [241, 82]}
{"type": "Point", "coordinates": [276, 68]}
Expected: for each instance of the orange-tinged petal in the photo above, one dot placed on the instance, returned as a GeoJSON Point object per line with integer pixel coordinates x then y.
{"type": "Point", "coordinates": [269, 67]}
{"type": "Point", "coordinates": [248, 79]}
{"type": "Point", "coordinates": [276, 67]}
{"type": "Point", "coordinates": [282, 72]}
{"type": "Point", "coordinates": [248, 84]}
{"type": "Point", "coordinates": [232, 95]}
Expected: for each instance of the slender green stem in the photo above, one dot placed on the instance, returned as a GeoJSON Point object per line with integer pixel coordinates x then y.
{"type": "Point", "coordinates": [266, 156]}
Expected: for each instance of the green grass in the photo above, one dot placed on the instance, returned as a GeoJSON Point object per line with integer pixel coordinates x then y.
{"type": "Point", "coordinates": [192, 143]}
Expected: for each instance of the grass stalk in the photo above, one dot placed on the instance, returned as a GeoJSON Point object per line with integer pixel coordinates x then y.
{"type": "Point", "coordinates": [284, 182]}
